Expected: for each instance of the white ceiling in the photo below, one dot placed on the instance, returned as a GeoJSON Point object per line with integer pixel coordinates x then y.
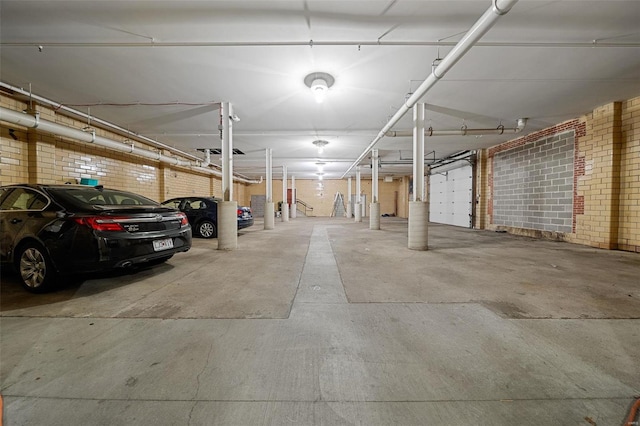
{"type": "Point", "coordinates": [548, 61]}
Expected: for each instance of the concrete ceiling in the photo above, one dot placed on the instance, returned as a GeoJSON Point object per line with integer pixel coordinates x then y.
{"type": "Point", "coordinates": [156, 68]}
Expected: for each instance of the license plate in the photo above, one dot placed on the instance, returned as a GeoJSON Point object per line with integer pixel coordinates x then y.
{"type": "Point", "coordinates": [159, 245]}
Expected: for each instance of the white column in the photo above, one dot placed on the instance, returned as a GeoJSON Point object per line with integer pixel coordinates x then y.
{"type": "Point", "coordinates": [349, 213]}
{"type": "Point", "coordinates": [285, 206]}
{"type": "Point", "coordinates": [356, 206]}
{"type": "Point", "coordinates": [294, 206]}
{"type": "Point", "coordinates": [227, 209]}
{"type": "Point", "coordinates": [418, 208]}
{"type": "Point", "coordinates": [374, 209]}
{"type": "Point", "coordinates": [269, 210]}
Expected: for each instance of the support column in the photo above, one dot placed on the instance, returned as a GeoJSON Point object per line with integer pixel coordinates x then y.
{"type": "Point", "coordinates": [227, 209]}
{"type": "Point", "coordinates": [294, 206]}
{"type": "Point", "coordinates": [356, 206]}
{"type": "Point", "coordinates": [349, 212]}
{"type": "Point", "coordinates": [418, 207]}
{"type": "Point", "coordinates": [269, 209]}
{"type": "Point", "coordinates": [284, 214]}
{"type": "Point", "coordinates": [374, 208]}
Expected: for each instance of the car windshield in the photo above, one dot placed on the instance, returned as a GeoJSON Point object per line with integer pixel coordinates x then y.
{"type": "Point", "coordinates": [92, 196]}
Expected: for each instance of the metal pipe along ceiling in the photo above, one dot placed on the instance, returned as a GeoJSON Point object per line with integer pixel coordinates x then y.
{"type": "Point", "coordinates": [102, 123]}
{"type": "Point", "coordinates": [463, 131]}
{"type": "Point", "coordinates": [31, 121]}
{"type": "Point", "coordinates": [475, 33]}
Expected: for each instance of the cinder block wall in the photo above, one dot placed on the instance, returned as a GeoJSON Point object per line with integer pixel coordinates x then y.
{"type": "Point", "coordinates": [533, 184]}
{"type": "Point", "coordinates": [598, 154]}
{"type": "Point", "coordinates": [32, 156]}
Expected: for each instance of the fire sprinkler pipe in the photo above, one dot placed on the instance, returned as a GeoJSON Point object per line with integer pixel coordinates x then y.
{"type": "Point", "coordinates": [475, 33]}
{"type": "Point", "coordinates": [34, 121]}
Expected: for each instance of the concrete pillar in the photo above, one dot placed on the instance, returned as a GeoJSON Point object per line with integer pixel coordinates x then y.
{"type": "Point", "coordinates": [418, 208]}
{"type": "Point", "coordinates": [269, 208]}
{"type": "Point", "coordinates": [284, 216]}
{"type": "Point", "coordinates": [374, 208]}
{"type": "Point", "coordinates": [227, 225]}
{"type": "Point", "coordinates": [269, 216]}
{"type": "Point", "coordinates": [356, 206]}
{"type": "Point", "coordinates": [374, 219]}
{"type": "Point", "coordinates": [294, 206]}
{"type": "Point", "coordinates": [418, 225]}
{"type": "Point", "coordinates": [227, 209]}
{"type": "Point", "coordinates": [349, 212]}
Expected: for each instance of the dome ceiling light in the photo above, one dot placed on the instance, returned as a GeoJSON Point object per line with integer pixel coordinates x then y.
{"type": "Point", "coordinates": [320, 144]}
{"type": "Point", "coordinates": [319, 83]}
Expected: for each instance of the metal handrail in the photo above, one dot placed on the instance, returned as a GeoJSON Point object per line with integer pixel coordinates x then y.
{"type": "Point", "coordinates": [307, 207]}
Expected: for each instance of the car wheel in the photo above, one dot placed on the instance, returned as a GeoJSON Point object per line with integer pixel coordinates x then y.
{"type": "Point", "coordinates": [206, 229]}
{"type": "Point", "coordinates": [37, 273]}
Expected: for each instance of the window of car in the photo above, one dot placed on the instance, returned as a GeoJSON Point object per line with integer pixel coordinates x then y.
{"type": "Point", "coordinates": [198, 204]}
{"type": "Point", "coordinates": [24, 199]}
{"type": "Point", "coordinates": [172, 203]}
{"type": "Point", "coordinates": [100, 196]}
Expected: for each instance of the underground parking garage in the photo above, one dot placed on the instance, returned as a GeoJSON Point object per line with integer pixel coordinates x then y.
{"type": "Point", "coordinates": [495, 282]}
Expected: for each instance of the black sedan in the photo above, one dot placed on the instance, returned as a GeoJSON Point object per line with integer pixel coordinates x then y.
{"type": "Point", "coordinates": [52, 230]}
{"type": "Point", "coordinates": [202, 213]}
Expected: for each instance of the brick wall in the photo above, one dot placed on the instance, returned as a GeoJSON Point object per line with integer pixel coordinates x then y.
{"type": "Point", "coordinates": [629, 209]}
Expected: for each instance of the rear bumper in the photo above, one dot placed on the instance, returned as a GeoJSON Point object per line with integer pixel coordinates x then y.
{"type": "Point", "coordinates": [112, 251]}
{"type": "Point", "coordinates": [245, 223]}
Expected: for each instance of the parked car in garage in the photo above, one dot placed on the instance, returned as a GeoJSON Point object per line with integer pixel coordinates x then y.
{"type": "Point", "coordinates": [202, 213]}
{"type": "Point", "coordinates": [52, 230]}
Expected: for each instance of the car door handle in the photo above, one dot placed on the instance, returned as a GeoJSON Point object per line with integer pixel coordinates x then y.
{"type": "Point", "coordinates": [15, 220]}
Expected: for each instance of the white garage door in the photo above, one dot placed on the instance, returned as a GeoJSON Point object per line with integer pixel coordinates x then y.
{"type": "Point", "coordinates": [451, 195]}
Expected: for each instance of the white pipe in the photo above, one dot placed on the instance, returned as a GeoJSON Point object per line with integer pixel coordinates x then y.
{"type": "Point", "coordinates": [358, 186]}
{"type": "Point", "coordinates": [158, 44]}
{"type": "Point", "coordinates": [349, 212]}
{"type": "Point", "coordinates": [103, 123]}
{"type": "Point", "coordinates": [375, 162]}
{"type": "Point", "coordinates": [418, 152]}
{"type": "Point", "coordinates": [374, 206]}
{"type": "Point", "coordinates": [463, 131]}
{"type": "Point", "coordinates": [30, 121]}
{"type": "Point", "coordinates": [269, 172]}
{"type": "Point", "coordinates": [294, 205]}
{"type": "Point", "coordinates": [284, 214]}
{"type": "Point", "coordinates": [486, 21]}
{"type": "Point", "coordinates": [227, 151]}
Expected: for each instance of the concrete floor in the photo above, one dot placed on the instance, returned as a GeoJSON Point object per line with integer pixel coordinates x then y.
{"type": "Point", "coordinates": [324, 322]}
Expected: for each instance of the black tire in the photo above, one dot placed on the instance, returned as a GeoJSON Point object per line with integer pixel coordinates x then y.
{"type": "Point", "coordinates": [34, 266]}
{"type": "Point", "coordinates": [207, 229]}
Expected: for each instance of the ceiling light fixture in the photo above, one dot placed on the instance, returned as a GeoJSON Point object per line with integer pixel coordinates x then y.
{"type": "Point", "coordinates": [319, 83]}
{"type": "Point", "coordinates": [320, 144]}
